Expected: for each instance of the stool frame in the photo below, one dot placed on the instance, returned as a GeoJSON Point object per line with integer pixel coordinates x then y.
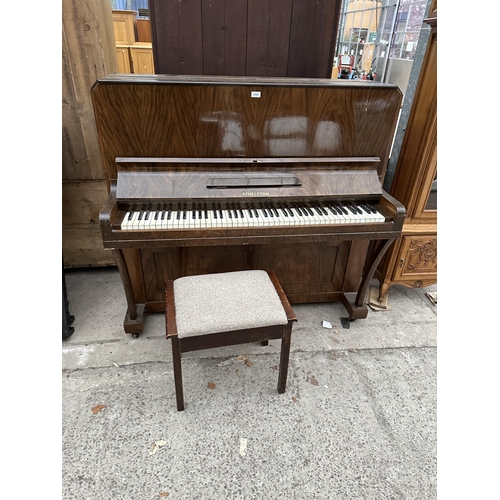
{"type": "Point", "coordinates": [234, 337]}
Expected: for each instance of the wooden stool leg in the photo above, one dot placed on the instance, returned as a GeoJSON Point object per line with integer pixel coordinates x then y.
{"type": "Point", "coordinates": [285, 356]}
{"type": "Point", "coordinates": [176, 355]}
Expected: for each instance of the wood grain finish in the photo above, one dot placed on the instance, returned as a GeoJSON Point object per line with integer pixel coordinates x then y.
{"type": "Point", "coordinates": [163, 139]}
{"type": "Point", "coordinates": [147, 116]}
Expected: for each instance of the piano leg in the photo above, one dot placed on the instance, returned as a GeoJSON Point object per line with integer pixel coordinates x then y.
{"type": "Point", "coordinates": [355, 302]}
{"type": "Point", "coordinates": [135, 316]}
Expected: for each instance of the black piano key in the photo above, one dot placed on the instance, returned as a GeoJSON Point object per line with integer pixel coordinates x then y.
{"type": "Point", "coordinates": [256, 212]}
{"type": "Point", "coordinates": [178, 215]}
{"type": "Point", "coordinates": [351, 209]}
{"type": "Point", "coordinates": [220, 214]}
{"type": "Point", "coordinates": [285, 213]}
{"type": "Point", "coordinates": [274, 212]}
{"type": "Point", "coordinates": [200, 214]}
{"type": "Point", "coordinates": [157, 214]}
{"type": "Point", "coordinates": [141, 213]}
{"type": "Point", "coordinates": [299, 211]}
{"type": "Point", "coordinates": [309, 211]}
{"type": "Point", "coordinates": [169, 214]}
{"type": "Point", "coordinates": [264, 210]}
{"type": "Point", "coordinates": [290, 211]}
{"type": "Point", "coordinates": [215, 214]}
{"type": "Point", "coordinates": [241, 213]}
{"type": "Point", "coordinates": [194, 214]}
{"type": "Point", "coordinates": [131, 215]}
{"type": "Point", "coordinates": [333, 210]}
{"type": "Point", "coordinates": [206, 214]}
{"type": "Point", "coordinates": [184, 214]}
{"type": "Point", "coordinates": [250, 212]}
{"type": "Point", "coordinates": [235, 213]}
{"type": "Point", "coordinates": [146, 216]}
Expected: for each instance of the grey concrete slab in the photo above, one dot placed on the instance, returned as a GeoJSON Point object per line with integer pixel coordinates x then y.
{"type": "Point", "coordinates": [356, 425]}
{"type": "Point", "coordinates": [358, 419]}
{"type": "Point", "coordinates": [98, 303]}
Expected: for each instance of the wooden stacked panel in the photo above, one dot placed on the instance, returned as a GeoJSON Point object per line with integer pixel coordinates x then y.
{"type": "Point", "coordinates": [88, 53]}
{"type": "Point", "coordinates": [244, 37]}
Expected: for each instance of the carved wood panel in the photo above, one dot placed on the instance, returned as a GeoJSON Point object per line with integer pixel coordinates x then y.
{"type": "Point", "coordinates": [417, 258]}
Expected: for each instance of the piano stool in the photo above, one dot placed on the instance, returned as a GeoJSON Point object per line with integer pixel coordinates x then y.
{"type": "Point", "coordinates": [222, 309]}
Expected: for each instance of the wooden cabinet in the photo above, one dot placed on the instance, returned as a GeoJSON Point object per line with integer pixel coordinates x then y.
{"type": "Point", "coordinates": [123, 59]}
{"type": "Point", "coordinates": [124, 26]}
{"type": "Point", "coordinates": [141, 55]}
{"type": "Point", "coordinates": [412, 260]}
{"type": "Point", "coordinates": [136, 58]}
{"type": "Point", "coordinates": [134, 54]}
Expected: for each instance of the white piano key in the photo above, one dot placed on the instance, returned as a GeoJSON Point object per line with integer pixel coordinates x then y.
{"type": "Point", "coordinates": [287, 220]}
{"type": "Point", "coordinates": [225, 220]}
{"type": "Point", "coordinates": [345, 214]}
{"type": "Point", "coordinates": [163, 222]}
{"type": "Point", "coordinates": [148, 220]}
{"type": "Point", "coordinates": [336, 217]}
{"type": "Point", "coordinates": [264, 218]}
{"type": "Point", "coordinates": [126, 222]}
{"type": "Point", "coordinates": [134, 224]}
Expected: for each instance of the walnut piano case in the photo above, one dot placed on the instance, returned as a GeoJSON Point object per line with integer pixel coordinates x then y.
{"type": "Point", "coordinates": [223, 154]}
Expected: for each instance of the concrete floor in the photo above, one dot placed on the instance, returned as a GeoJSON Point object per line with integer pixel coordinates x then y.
{"type": "Point", "coordinates": [357, 421]}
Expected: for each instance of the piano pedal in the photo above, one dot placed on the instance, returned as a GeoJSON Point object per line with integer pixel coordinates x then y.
{"type": "Point", "coordinates": [135, 335]}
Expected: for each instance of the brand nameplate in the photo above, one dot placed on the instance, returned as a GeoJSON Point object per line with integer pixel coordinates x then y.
{"type": "Point", "coordinates": [255, 193]}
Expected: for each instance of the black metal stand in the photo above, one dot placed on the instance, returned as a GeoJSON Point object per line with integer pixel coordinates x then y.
{"type": "Point", "coordinates": [67, 319]}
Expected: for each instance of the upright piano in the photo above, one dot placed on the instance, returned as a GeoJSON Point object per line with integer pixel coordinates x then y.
{"type": "Point", "coordinates": [217, 174]}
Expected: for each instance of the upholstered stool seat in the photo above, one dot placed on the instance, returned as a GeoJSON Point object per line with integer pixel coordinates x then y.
{"type": "Point", "coordinates": [215, 310]}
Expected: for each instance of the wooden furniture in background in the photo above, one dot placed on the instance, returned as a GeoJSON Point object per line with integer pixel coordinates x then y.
{"type": "Point", "coordinates": [182, 134]}
{"type": "Point", "coordinates": [123, 59]}
{"type": "Point", "coordinates": [141, 55]}
{"type": "Point", "coordinates": [294, 38]}
{"type": "Point", "coordinates": [136, 58]}
{"type": "Point", "coordinates": [125, 26]}
{"type": "Point", "coordinates": [144, 30]}
{"type": "Point", "coordinates": [412, 261]}
{"type": "Point", "coordinates": [134, 51]}
{"type": "Point", "coordinates": [88, 50]}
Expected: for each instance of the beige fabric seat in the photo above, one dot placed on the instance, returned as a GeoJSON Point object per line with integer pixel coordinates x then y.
{"type": "Point", "coordinates": [215, 310]}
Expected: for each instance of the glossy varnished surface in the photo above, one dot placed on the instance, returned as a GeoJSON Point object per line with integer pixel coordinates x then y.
{"type": "Point", "coordinates": [333, 137]}
{"type": "Point", "coordinates": [218, 118]}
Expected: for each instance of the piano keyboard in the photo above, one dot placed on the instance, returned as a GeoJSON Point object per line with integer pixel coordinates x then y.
{"type": "Point", "coordinates": [335, 213]}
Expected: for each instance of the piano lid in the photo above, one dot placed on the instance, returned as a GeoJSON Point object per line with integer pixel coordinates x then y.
{"type": "Point", "coordinates": [158, 116]}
